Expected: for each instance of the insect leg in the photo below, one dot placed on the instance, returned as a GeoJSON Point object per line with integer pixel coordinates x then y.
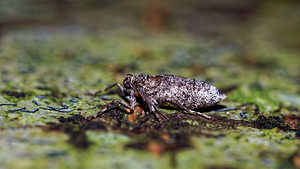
{"type": "Point", "coordinates": [122, 94]}
{"type": "Point", "coordinates": [110, 105]}
{"type": "Point", "coordinates": [131, 98]}
{"type": "Point", "coordinates": [161, 112]}
{"type": "Point", "coordinates": [153, 109]}
{"type": "Point", "coordinates": [189, 110]}
{"type": "Point", "coordinates": [155, 113]}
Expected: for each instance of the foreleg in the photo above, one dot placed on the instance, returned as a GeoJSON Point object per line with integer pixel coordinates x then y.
{"type": "Point", "coordinates": [122, 94]}
{"type": "Point", "coordinates": [153, 108]}
{"type": "Point", "coordinates": [131, 98]}
{"type": "Point", "coordinates": [111, 105]}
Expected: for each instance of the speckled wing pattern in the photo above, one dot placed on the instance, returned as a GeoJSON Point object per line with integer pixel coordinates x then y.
{"type": "Point", "coordinates": [191, 93]}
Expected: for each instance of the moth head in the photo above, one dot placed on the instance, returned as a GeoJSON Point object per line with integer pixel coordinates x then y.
{"type": "Point", "coordinates": [128, 81]}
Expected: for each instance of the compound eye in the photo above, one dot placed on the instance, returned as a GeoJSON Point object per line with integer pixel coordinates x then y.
{"type": "Point", "coordinates": [126, 85]}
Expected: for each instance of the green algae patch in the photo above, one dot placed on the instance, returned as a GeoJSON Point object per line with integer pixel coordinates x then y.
{"type": "Point", "coordinates": [266, 100]}
{"type": "Point", "coordinates": [49, 116]}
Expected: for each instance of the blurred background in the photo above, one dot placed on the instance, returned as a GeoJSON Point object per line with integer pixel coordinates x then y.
{"type": "Point", "coordinates": [230, 20]}
{"type": "Point", "coordinates": [123, 36]}
{"type": "Point", "coordinates": [53, 51]}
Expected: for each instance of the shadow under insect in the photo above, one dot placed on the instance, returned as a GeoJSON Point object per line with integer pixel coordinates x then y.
{"type": "Point", "coordinates": [158, 138]}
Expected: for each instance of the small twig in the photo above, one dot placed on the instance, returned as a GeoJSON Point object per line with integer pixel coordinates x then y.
{"type": "Point", "coordinates": [58, 109]}
{"type": "Point", "coordinates": [8, 104]}
{"type": "Point", "coordinates": [225, 109]}
{"type": "Point", "coordinates": [73, 100]}
{"type": "Point", "coordinates": [28, 111]}
{"type": "Point", "coordinates": [18, 109]}
{"type": "Point", "coordinates": [23, 109]}
{"type": "Point", "coordinates": [41, 97]}
{"type": "Point", "coordinates": [36, 103]}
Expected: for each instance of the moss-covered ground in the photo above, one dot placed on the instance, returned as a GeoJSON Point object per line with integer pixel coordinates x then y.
{"type": "Point", "coordinates": [48, 118]}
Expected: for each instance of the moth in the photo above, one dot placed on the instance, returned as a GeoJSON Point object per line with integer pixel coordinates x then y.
{"type": "Point", "coordinates": [165, 90]}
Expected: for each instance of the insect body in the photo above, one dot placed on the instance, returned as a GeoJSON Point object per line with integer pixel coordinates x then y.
{"type": "Point", "coordinates": [166, 90]}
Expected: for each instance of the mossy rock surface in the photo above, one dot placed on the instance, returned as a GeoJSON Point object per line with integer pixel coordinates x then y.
{"type": "Point", "coordinates": [48, 115]}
